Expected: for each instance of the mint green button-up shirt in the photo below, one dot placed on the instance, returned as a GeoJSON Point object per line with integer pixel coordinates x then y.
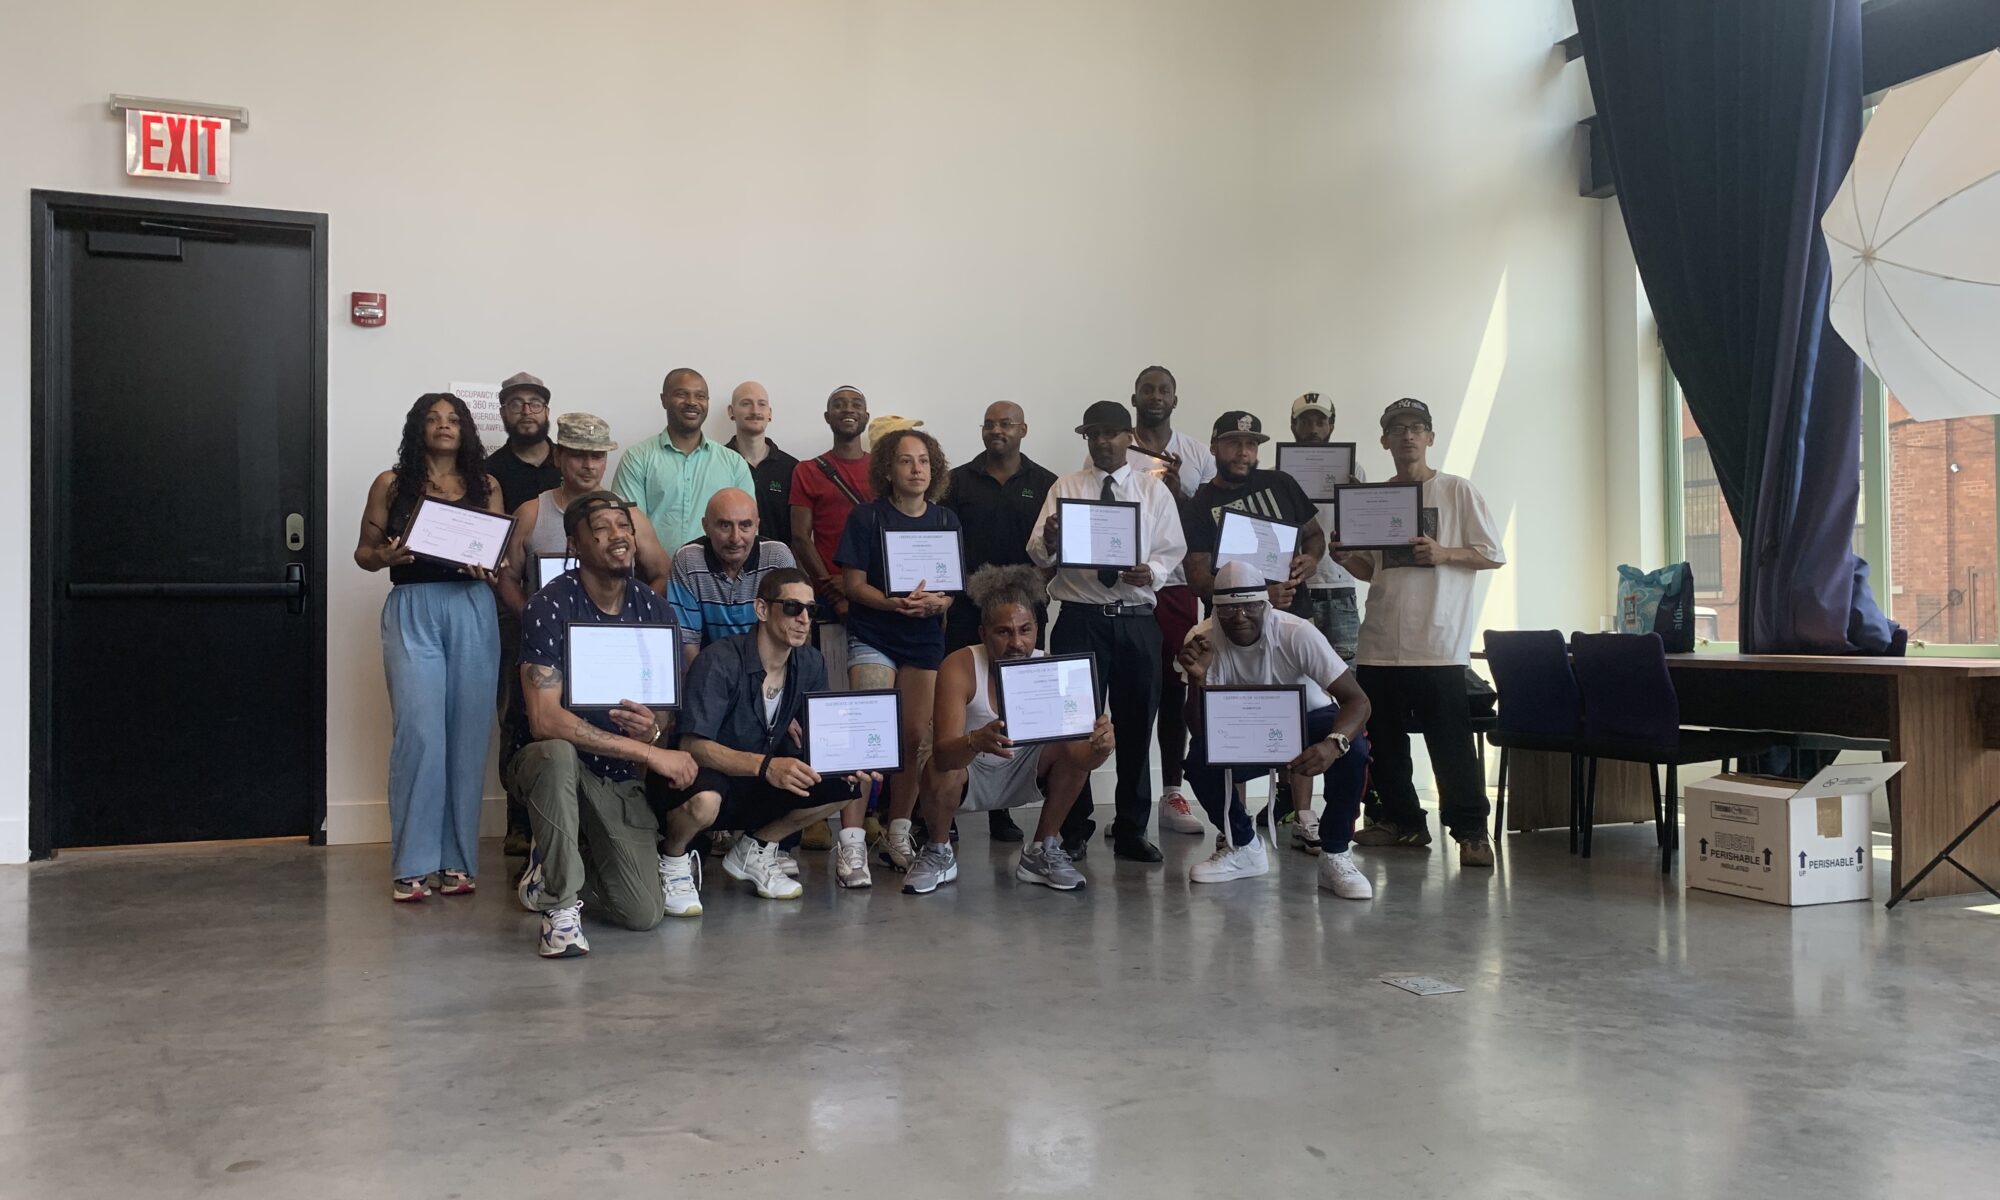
{"type": "Point", "coordinates": [674, 488]}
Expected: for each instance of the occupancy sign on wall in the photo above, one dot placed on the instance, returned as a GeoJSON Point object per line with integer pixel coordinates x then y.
{"type": "Point", "coordinates": [484, 401]}
{"type": "Point", "coordinates": [170, 145]}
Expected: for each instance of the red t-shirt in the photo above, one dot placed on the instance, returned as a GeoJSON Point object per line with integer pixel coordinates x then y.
{"type": "Point", "coordinates": [830, 506]}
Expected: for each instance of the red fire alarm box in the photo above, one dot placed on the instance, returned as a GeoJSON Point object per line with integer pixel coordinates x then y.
{"type": "Point", "coordinates": [371, 308]}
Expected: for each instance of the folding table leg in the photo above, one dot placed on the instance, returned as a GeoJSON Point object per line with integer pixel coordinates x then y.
{"type": "Point", "coordinates": [1659, 807]}
{"type": "Point", "coordinates": [1670, 832]}
{"type": "Point", "coordinates": [1944, 856]}
{"type": "Point", "coordinates": [1590, 808]}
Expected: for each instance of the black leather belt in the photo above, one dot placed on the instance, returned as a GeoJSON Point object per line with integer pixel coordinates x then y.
{"type": "Point", "coordinates": [1120, 610]}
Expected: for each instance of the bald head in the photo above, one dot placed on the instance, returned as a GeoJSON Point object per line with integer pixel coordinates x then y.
{"type": "Point", "coordinates": [750, 409]}
{"type": "Point", "coordinates": [731, 525]}
{"type": "Point", "coordinates": [1002, 430]}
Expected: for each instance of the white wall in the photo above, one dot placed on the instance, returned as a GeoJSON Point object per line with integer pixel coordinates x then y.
{"type": "Point", "coordinates": [942, 203]}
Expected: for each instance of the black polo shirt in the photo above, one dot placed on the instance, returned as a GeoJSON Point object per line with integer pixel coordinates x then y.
{"type": "Point", "coordinates": [521, 482]}
{"type": "Point", "coordinates": [998, 520]}
{"type": "Point", "coordinates": [724, 698]}
{"type": "Point", "coordinates": [773, 480]}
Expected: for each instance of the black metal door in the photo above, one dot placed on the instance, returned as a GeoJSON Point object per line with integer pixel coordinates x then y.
{"type": "Point", "coordinates": [180, 543]}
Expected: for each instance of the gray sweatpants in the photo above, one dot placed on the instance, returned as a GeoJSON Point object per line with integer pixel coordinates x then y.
{"type": "Point", "coordinates": [597, 837]}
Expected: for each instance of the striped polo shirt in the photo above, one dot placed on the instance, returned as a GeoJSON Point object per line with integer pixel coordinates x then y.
{"type": "Point", "coordinates": [709, 605]}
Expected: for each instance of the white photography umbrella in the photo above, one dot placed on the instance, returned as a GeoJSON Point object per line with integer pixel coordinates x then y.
{"type": "Point", "coordinates": [1915, 237]}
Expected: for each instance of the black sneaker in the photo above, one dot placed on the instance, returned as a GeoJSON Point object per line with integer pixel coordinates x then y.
{"type": "Point", "coordinates": [1001, 828]}
{"type": "Point", "coordinates": [1383, 834]}
{"type": "Point", "coordinates": [1079, 846]}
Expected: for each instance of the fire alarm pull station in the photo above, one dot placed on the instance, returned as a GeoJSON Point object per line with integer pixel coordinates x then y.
{"type": "Point", "coordinates": [371, 308]}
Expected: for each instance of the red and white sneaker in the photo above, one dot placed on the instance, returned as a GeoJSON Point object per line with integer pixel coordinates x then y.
{"type": "Point", "coordinates": [408, 891]}
{"type": "Point", "coordinates": [455, 883]}
{"type": "Point", "coordinates": [1177, 814]}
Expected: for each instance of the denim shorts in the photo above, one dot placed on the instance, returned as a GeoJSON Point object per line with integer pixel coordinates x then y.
{"type": "Point", "coordinates": [861, 654]}
{"type": "Point", "coordinates": [1336, 612]}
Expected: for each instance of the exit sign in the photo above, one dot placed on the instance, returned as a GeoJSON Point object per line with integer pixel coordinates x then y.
{"type": "Point", "coordinates": [171, 145]}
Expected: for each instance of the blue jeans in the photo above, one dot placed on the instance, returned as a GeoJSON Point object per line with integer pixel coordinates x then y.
{"type": "Point", "coordinates": [441, 651]}
{"type": "Point", "coordinates": [1345, 781]}
{"type": "Point", "coordinates": [1336, 612]}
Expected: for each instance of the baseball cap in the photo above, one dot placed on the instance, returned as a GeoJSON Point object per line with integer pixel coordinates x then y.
{"type": "Point", "coordinates": [1237, 423]}
{"type": "Point", "coordinates": [1106, 414]}
{"type": "Point", "coordinates": [1315, 402]}
{"type": "Point", "coordinates": [1407, 407]}
{"type": "Point", "coordinates": [584, 431]}
{"type": "Point", "coordinates": [521, 381]}
{"type": "Point", "coordinates": [885, 425]}
{"type": "Point", "coordinates": [1238, 583]}
{"type": "Point", "coordinates": [581, 508]}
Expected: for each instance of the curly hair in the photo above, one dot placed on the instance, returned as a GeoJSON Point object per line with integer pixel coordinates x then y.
{"type": "Point", "coordinates": [882, 461]}
{"type": "Point", "coordinates": [993, 588]}
{"type": "Point", "coordinates": [413, 470]}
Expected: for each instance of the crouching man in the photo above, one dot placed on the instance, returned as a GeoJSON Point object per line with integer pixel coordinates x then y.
{"type": "Point", "coordinates": [975, 766]}
{"type": "Point", "coordinates": [742, 721]}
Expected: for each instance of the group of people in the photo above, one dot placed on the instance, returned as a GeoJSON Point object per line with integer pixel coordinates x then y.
{"type": "Point", "coordinates": [772, 566]}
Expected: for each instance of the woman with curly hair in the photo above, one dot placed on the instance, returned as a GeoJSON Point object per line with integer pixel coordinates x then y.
{"type": "Point", "coordinates": [896, 641]}
{"type": "Point", "coordinates": [440, 650]}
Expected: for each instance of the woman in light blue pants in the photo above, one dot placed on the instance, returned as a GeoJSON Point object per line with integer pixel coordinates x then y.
{"type": "Point", "coordinates": [440, 650]}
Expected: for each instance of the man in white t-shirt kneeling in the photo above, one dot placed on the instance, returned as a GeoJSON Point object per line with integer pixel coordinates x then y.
{"type": "Point", "coordinates": [1247, 642]}
{"type": "Point", "coordinates": [973, 763]}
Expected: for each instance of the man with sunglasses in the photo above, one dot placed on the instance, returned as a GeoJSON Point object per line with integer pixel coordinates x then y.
{"type": "Point", "coordinates": [997, 497]}
{"type": "Point", "coordinates": [743, 721]}
{"type": "Point", "coordinates": [1248, 642]}
{"type": "Point", "coordinates": [1416, 642]}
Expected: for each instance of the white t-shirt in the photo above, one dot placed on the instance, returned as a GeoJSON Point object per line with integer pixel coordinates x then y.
{"type": "Point", "coordinates": [1422, 616]}
{"type": "Point", "coordinates": [1197, 468]}
{"type": "Point", "coordinates": [1330, 573]}
{"type": "Point", "coordinates": [1291, 650]}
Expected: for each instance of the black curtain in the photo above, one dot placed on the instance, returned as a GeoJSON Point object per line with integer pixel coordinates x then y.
{"type": "Point", "coordinates": [1730, 125]}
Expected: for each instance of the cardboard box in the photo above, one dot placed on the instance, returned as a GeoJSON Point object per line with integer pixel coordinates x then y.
{"type": "Point", "coordinates": [1773, 840]}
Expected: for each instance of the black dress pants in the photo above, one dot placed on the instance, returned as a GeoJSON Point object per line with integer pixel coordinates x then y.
{"type": "Point", "coordinates": [1128, 674]}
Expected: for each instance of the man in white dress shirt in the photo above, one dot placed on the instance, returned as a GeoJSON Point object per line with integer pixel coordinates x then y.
{"type": "Point", "coordinates": [1109, 613]}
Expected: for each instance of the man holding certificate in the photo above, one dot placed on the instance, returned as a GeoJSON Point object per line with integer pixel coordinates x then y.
{"type": "Point", "coordinates": [744, 721]}
{"type": "Point", "coordinates": [1111, 533]}
{"type": "Point", "coordinates": [1416, 642]}
{"type": "Point", "coordinates": [1241, 486]}
{"type": "Point", "coordinates": [580, 777]}
{"type": "Point", "coordinates": [1249, 644]}
{"type": "Point", "coordinates": [1014, 727]}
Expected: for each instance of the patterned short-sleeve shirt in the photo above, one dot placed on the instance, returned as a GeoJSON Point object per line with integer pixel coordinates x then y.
{"type": "Point", "coordinates": [545, 635]}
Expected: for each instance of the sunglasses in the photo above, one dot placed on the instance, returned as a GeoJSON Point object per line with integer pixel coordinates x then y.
{"type": "Point", "coordinates": [796, 608]}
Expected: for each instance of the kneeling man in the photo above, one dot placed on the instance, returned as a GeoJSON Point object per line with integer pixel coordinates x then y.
{"type": "Point", "coordinates": [579, 777]}
{"type": "Point", "coordinates": [742, 720]}
{"type": "Point", "coordinates": [1248, 642]}
{"type": "Point", "coordinates": [974, 765]}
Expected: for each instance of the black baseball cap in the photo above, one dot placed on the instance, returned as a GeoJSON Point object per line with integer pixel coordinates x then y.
{"type": "Point", "coordinates": [1106, 414]}
{"type": "Point", "coordinates": [581, 508]}
{"type": "Point", "coordinates": [1237, 423]}
{"type": "Point", "coordinates": [1407, 407]}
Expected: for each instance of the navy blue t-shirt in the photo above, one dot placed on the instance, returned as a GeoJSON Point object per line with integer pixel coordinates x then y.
{"type": "Point", "coordinates": [545, 635]}
{"type": "Point", "coordinates": [908, 641]}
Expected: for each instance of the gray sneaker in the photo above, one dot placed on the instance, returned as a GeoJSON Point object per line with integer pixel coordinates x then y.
{"type": "Point", "coordinates": [933, 865]}
{"type": "Point", "coordinates": [1048, 864]}
{"type": "Point", "coordinates": [1392, 835]}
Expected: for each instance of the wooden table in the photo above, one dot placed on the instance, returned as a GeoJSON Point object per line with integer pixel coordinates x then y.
{"type": "Point", "coordinates": [1940, 715]}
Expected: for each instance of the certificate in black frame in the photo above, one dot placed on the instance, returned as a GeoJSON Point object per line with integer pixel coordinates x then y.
{"type": "Point", "coordinates": [896, 736]}
{"type": "Point", "coordinates": [1078, 501]}
{"type": "Point", "coordinates": [1279, 458]}
{"type": "Point", "coordinates": [1344, 489]}
{"type": "Point", "coordinates": [1208, 741]}
{"type": "Point", "coordinates": [570, 629]}
{"type": "Point", "coordinates": [500, 552]}
{"type": "Point", "coordinates": [1298, 536]}
{"type": "Point", "coordinates": [1000, 699]}
{"type": "Point", "coordinates": [882, 544]}
{"type": "Point", "coordinates": [541, 569]}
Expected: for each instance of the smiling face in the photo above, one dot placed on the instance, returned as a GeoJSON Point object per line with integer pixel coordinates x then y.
{"type": "Point", "coordinates": [685, 397]}
{"type": "Point", "coordinates": [441, 430]}
{"type": "Point", "coordinates": [847, 413]}
{"type": "Point", "coordinates": [792, 630]}
{"type": "Point", "coordinates": [1003, 428]}
{"type": "Point", "coordinates": [1154, 396]}
{"type": "Point", "coordinates": [604, 543]}
{"type": "Point", "coordinates": [1008, 631]}
{"type": "Point", "coordinates": [582, 470]}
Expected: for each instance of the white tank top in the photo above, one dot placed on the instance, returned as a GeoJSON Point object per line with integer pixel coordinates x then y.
{"type": "Point", "coordinates": [980, 713]}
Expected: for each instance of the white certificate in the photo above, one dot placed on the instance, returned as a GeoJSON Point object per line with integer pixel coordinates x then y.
{"type": "Point", "coordinates": [606, 664]}
{"type": "Point", "coordinates": [1319, 467]}
{"type": "Point", "coordinates": [1048, 699]}
{"type": "Point", "coordinates": [932, 557]}
{"type": "Point", "coordinates": [1254, 726]}
{"type": "Point", "coordinates": [854, 731]}
{"type": "Point", "coordinates": [1378, 516]}
{"type": "Point", "coordinates": [452, 533]}
{"type": "Point", "coordinates": [546, 567]}
{"type": "Point", "coordinates": [1098, 533]}
{"type": "Point", "coordinates": [1266, 545]}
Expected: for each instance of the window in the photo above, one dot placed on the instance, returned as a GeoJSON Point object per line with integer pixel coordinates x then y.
{"type": "Point", "coordinates": [1944, 535]}
{"type": "Point", "coordinates": [1712, 549]}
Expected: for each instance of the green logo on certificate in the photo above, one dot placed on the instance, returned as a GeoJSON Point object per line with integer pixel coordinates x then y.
{"type": "Point", "coordinates": [1069, 706]}
{"type": "Point", "coordinates": [874, 741]}
{"type": "Point", "coordinates": [1274, 737]}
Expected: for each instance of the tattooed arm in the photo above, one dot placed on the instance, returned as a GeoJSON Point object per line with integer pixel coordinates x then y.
{"type": "Point", "coordinates": [548, 720]}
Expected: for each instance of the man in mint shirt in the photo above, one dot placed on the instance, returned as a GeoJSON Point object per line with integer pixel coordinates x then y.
{"type": "Point", "coordinates": [672, 475]}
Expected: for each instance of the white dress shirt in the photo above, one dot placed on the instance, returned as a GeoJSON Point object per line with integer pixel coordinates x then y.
{"type": "Point", "coordinates": [1197, 468]}
{"type": "Point", "coordinates": [1162, 545]}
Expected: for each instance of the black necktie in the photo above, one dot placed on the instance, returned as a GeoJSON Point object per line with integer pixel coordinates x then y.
{"type": "Point", "coordinates": [1107, 576]}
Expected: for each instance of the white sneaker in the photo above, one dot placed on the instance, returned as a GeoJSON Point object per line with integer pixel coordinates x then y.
{"type": "Point", "coordinates": [1227, 863]}
{"type": "Point", "coordinates": [1338, 874]}
{"type": "Point", "coordinates": [1305, 832]}
{"type": "Point", "coordinates": [788, 864]}
{"type": "Point", "coordinates": [562, 933]}
{"type": "Point", "coordinates": [850, 863]}
{"type": "Point", "coordinates": [680, 884]}
{"type": "Point", "coordinates": [529, 890]}
{"type": "Point", "coordinates": [897, 849]}
{"type": "Point", "coordinates": [756, 862]}
{"type": "Point", "coordinates": [1177, 814]}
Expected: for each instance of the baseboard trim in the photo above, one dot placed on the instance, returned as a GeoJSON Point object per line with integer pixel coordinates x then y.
{"type": "Point", "coordinates": [366, 822]}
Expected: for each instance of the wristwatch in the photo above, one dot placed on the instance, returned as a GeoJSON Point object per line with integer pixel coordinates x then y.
{"type": "Point", "coordinates": [1340, 743]}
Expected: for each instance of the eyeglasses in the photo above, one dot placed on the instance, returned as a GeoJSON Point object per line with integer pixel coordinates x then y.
{"type": "Point", "coordinates": [797, 608]}
{"type": "Point", "coordinates": [1399, 430]}
{"type": "Point", "coordinates": [527, 404]}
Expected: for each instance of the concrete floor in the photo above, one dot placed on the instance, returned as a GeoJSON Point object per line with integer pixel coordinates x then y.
{"type": "Point", "coordinates": [260, 1021]}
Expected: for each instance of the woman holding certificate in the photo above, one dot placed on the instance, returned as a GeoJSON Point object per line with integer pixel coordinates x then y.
{"type": "Point", "coordinates": [900, 558]}
{"type": "Point", "coordinates": [434, 522]}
